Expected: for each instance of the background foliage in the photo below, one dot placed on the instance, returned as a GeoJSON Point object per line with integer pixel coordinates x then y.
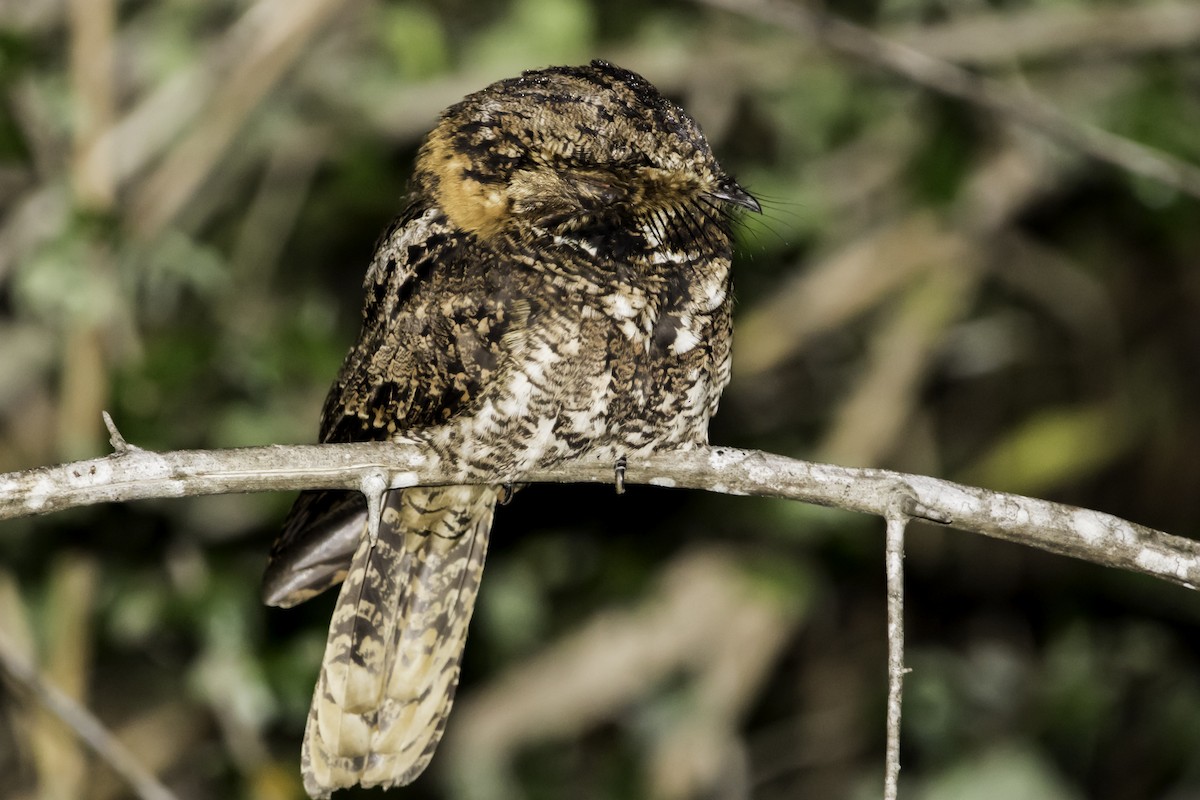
{"type": "Point", "coordinates": [931, 289]}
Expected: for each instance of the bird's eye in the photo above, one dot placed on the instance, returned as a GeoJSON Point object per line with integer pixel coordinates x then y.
{"type": "Point", "coordinates": [594, 189]}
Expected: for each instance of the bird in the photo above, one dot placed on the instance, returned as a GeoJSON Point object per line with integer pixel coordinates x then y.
{"type": "Point", "coordinates": [557, 284]}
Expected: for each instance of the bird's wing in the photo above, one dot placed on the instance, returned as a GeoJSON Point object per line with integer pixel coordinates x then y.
{"type": "Point", "coordinates": [434, 333]}
{"type": "Point", "coordinates": [385, 384]}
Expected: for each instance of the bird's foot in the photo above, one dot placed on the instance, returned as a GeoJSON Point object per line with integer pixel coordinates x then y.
{"type": "Point", "coordinates": [619, 475]}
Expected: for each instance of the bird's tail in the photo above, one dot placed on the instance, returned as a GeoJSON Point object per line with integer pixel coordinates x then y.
{"type": "Point", "coordinates": [396, 639]}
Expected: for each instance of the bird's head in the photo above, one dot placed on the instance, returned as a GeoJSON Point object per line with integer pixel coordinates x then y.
{"type": "Point", "coordinates": [593, 155]}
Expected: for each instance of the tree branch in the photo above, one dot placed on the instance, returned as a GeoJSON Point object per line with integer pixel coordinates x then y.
{"type": "Point", "coordinates": [132, 473]}
{"type": "Point", "coordinates": [135, 474]}
{"type": "Point", "coordinates": [867, 47]}
{"type": "Point", "coordinates": [83, 723]}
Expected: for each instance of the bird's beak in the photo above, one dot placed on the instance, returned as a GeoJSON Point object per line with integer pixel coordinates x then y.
{"type": "Point", "coordinates": [730, 192]}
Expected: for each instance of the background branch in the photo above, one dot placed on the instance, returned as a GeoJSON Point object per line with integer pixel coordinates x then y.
{"type": "Point", "coordinates": [605, 664]}
{"type": "Point", "coordinates": [865, 46]}
{"type": "Point", "coordinates": [83, 723]}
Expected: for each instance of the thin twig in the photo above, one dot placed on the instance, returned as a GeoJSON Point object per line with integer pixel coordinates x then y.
{"type": "Point", "coordinates": [863, 45]}
{"type": "Point", "coordinates": [119, 445]}
{"type": "Point", "coordinates": [85, 726]}
{"type": "Point", "coordinates": [894, 566]}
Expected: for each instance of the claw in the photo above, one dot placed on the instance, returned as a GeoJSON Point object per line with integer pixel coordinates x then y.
{"type": "Point", "coordinates": [619, 475]}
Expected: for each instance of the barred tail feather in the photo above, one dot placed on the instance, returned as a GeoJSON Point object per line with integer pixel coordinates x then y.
{"type": "Point", "coordinates": [396, 639]}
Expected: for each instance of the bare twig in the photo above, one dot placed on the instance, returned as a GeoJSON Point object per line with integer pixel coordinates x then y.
{"type": "Point", "coordinates": [1080, 533]}
{"type": "Point", "coordinates": [894, 566]}
{"type": "Point", "coordinates": [863, 45]}
{"type": "Point", "coordinates": [89, 729]}
{"type": "Point", "coordinates": [119, 445]}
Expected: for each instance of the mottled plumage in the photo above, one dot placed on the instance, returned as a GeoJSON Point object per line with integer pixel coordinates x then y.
{"type": "Point", "coordinates": [558, 283]}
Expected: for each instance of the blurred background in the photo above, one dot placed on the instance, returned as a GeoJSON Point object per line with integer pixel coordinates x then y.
{"type": "Point", "coordinates": [189, 194]}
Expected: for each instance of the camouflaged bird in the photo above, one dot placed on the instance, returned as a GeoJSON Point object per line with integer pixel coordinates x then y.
{"type": "Point", "coordinates": [557, 284]}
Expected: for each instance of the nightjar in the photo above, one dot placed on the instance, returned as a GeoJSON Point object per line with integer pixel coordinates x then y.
{"type": "Point", "coordinates": [557, 284]}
